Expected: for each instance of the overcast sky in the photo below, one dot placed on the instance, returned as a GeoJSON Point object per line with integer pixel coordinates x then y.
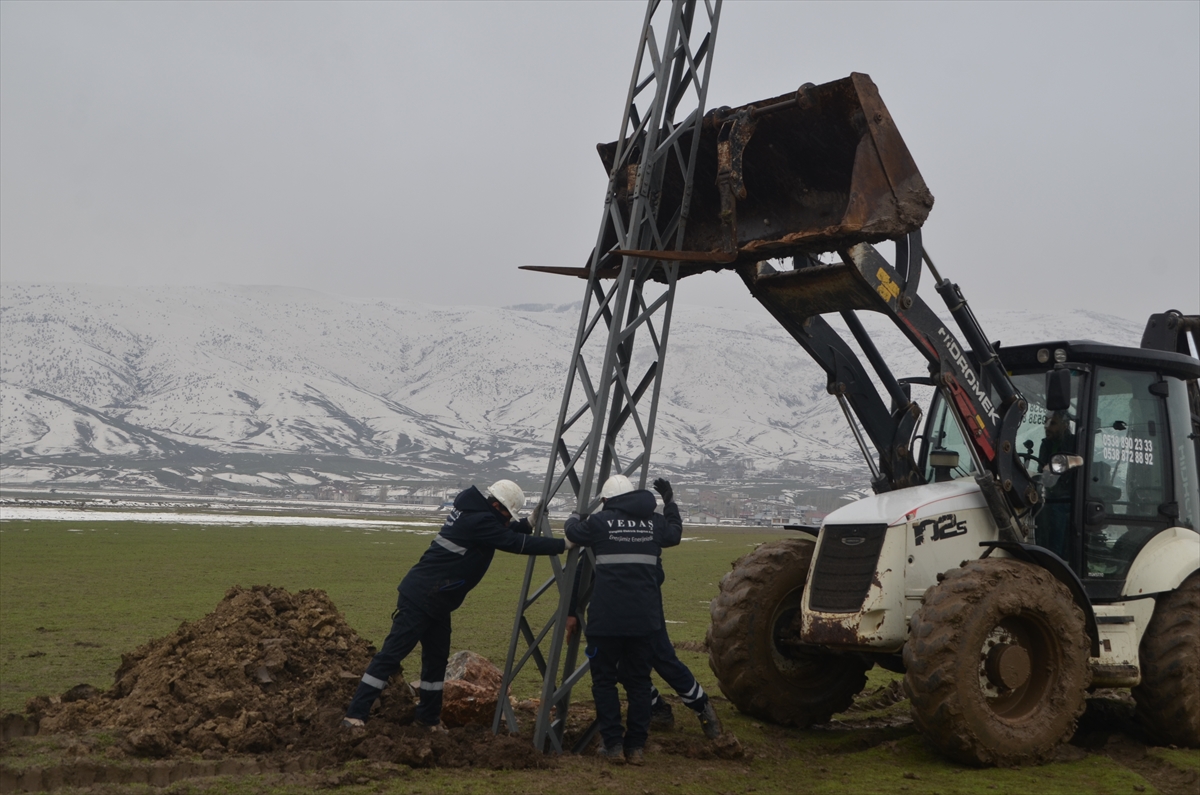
{"type": "Point", "coordinates": [422, 152]}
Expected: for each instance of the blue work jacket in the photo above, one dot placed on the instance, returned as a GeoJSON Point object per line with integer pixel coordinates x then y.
{"type": "Point", "coordinates": [461, 552]}
{"type": "Point", "coordinates": [627, 537]}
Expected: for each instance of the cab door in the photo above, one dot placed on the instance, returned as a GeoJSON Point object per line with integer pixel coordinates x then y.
{"type": "Point", "coordinates": [1128, 479]}
{"type": "Point", "coordinates": [1042, 434]}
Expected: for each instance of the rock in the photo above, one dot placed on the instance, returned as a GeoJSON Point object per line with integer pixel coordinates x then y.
{"type": "Point", "coordinates": [470, 690]}
{"type": "Point", "coordinates": [474, 668]}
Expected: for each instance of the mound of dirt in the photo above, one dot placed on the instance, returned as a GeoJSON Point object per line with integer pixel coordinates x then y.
{"type": "Point", "coordinates": [269, 674]}
{"type": "Point", "coordinates": [267, 670]}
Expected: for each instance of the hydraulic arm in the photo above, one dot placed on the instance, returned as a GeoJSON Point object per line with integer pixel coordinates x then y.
{"type": "Point", "coordinates": [988, 404]}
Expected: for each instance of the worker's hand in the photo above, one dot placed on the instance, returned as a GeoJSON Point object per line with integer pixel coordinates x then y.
{"type": "Point", "coordinates": [663, 487]}
{"type": "Point", "coordinates": [572, 627]}
{"type": "Point", "coordinates": [574, 517]}
{"type": "Point", "coordinates": [570, 544]}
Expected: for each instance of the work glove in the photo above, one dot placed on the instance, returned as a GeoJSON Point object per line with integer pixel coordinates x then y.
{"type": "Point", "coordinates": [570, 544]}
{"type": "Point", "coordinates": [522, 526]}
{"type": "Point", "coordinates": [663, 487]}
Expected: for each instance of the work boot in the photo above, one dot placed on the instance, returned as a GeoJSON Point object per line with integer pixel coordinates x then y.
{"type": "Point", "coordinates": [709, 721]}
{"type": "Point", "coordinates": [661, 716]}
{"type": "Point", "coordinates": [354, 724]}
{"type": "Point", "coordinates": [635, 757]}
{"type": "Point", "coordinates": [615, 755]}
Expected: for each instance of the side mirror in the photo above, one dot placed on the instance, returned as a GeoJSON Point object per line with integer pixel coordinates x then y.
{"type": "Point", "coordinates": [1058, 390]}
{"type": "Point", "coordinates": [943, 458]}
{"type": "Point", "coordinates": [944, 462]}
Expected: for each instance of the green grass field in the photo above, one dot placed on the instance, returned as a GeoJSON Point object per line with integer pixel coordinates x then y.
{"type": "Point", "coordinates": [75, 595]}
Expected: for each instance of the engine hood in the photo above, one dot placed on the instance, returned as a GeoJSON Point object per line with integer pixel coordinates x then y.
{"type": "Point", "coordinates": [897, 507]}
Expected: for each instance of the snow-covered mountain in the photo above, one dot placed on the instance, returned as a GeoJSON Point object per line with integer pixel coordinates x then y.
{"type": "Point", "coordinates": [281, 382]}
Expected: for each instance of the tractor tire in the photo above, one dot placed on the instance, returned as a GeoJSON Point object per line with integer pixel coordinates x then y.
{"type": "Point", "coordinates": [1168, 699]}
{"type": "Point", "coordinates": [752, 645]}
{"type": "Point", "coordinates": [997, 663]}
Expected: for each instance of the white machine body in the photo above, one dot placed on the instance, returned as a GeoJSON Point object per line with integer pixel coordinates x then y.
{"type": "Point", "coordinates": [875, 559]}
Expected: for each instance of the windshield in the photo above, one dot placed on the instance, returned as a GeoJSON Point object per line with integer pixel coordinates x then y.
{"type": "Point", "coordinates": [1043, 434]}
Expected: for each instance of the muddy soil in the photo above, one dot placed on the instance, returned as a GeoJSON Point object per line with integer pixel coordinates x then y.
{"type": "Point", "coordinates": [260, 685]}
{"type": "Point", "coordinates": [265, 679]}
{"type": "Point", "coordinates": [1108, 727]}
{"type": "Point", "coordinates": [268, 673]}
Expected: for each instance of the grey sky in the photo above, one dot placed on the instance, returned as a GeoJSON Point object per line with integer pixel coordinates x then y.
{"type": "Point", "coordinates": [423, 151]}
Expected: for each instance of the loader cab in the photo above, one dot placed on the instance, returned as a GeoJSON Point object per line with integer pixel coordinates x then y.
{"type": "Point", "coordinates": [1124, 417]}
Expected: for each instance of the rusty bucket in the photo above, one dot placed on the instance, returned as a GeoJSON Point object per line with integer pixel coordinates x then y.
{"type": "Point", "coordinates": [820, 169]}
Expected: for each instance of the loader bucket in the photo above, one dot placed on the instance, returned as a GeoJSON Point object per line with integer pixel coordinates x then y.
{"type": "Point", "coordinates": [820, 169]}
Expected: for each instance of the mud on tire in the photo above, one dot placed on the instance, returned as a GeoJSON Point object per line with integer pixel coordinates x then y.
{"type": "Point", "coordinates": [997, 663]}
{"type": "Point", "coordinates": [757, 668]}
{"type": "Point", "coordinates": [1168, 699]}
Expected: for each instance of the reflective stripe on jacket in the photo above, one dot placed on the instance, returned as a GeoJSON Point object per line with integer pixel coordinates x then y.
{"type": "Point", "coordinates": [461, 552]}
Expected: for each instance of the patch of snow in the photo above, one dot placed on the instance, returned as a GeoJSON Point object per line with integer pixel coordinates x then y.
{"type": "Point", "coordinates": [47, 514]}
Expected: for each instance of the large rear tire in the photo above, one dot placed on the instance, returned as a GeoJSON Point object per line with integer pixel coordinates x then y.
{"type": "Point", "coordinates": [997, 663]}
{"type": "Point", "coordinates": [753, 648]}
{"type": "Point", "coordinates": [1168, 699]}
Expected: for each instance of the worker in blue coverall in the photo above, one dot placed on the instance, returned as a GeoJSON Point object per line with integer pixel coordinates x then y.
{"type": "Point", "coordinates": [455, 562]}
{"type": "Point", "coordinates": [666, 663]}
{"type": "Point", "coordinates": [625, 613]}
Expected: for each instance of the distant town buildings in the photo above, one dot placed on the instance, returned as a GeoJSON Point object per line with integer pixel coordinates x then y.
{"type": "Point", "coordinates": [699, 505]}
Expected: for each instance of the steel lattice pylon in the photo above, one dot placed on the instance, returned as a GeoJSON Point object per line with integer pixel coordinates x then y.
{"type": "Point", "coordinates": [671, 71]}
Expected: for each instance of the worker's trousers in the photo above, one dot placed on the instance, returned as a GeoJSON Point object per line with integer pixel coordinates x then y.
{"type": "Point", "coordinates": [410, 625]}
{"type": "Point", "coordinates": [626, 660]}
{"type": "Point", "coordinates": [677, 675]}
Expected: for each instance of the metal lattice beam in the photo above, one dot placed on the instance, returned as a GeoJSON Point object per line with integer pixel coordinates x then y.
{"type": "Point", "coordinates": [606, 420]}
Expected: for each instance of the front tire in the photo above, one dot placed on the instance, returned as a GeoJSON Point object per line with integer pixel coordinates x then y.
{"type": "Point", "coordinates": [997, 663]}
{"type": "Point", "coordinates": [753, 649]}
{"type": "Point", "coordinates": [1168, 699]}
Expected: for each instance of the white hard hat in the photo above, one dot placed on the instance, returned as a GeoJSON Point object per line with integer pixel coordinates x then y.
{"type": "Point", "coordinates": [509, 494]}
{"type": "Point", "coordinates": [617, 484]}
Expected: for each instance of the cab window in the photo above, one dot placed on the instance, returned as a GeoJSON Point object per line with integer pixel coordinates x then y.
{"type": "Point", "coordinates": [945, 436]}
{"type": "Point", "coordinates": [1128, 476]}
{"type": "Point", "coordinates": [1187, 479]}
{"type": "Point", "coordinates": [1042, 435]}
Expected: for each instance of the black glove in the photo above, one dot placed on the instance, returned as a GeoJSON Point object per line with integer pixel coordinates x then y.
{"type": "Point", "coordinates": [663, 487]}
{"type": "Point", "coordinates": [522, 526]}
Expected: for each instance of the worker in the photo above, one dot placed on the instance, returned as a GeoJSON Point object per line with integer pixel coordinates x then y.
{"type": "Point", "coordinates": [625, 613]}
{"type": "Point", "coordinates": [458, 557]}
{"type": "Point", "coordinates": [676, 674]}
{"type": "Point", "coordinates": [1053, 520]}
{"type": "Point", "coordinates": [666, 663]}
